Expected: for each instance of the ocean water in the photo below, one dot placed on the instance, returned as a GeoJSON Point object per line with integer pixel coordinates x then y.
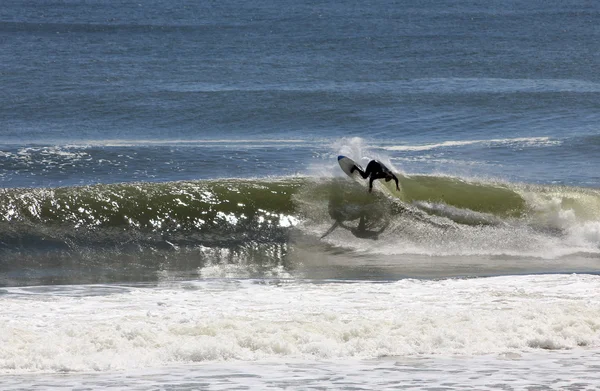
{"type": "Point", "coordinates": [173, 216]}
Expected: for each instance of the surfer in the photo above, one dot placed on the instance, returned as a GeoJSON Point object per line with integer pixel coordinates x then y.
{"type": "Point", "coordinates": [376, 170]}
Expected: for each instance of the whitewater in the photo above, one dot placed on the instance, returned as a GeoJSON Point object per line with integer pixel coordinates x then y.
{"type": "Point", "coordinates": [277, 330]}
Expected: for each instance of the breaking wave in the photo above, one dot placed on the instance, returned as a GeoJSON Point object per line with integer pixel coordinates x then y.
{"type": "Point", "coordinates": [263, 223]}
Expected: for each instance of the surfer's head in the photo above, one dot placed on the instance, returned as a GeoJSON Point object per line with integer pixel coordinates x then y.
{"type": "Point", "coordinates": [388, 177]}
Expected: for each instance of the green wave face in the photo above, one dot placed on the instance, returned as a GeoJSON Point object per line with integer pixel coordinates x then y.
{"type": "Point", "coordinates": [134, 232]}
{"type": "Point", "coordinates": [253, 209]}
{"type": "Point", "coordinates": [496, 199]}
{"type": "Point", "coordinates": [181, 207]}
{"type": "Point", "coordinates": [273, 223]}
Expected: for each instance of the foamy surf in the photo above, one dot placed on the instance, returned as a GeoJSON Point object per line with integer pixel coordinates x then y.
{"type": "Point", "coordinates": [107, 328]}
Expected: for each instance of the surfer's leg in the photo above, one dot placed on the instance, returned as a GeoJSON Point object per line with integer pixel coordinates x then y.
{"type": "Point", "coordinates": [373, 169]}
{"type": "Point", "coordinates": [361, 172]}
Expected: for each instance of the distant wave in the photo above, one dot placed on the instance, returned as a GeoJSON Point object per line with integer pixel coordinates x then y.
{"type": "Point", "coordinates": [524, 141]}
{"type": "Point", "coordinates": [188, 142]}
{"type": "Point", "coordinates": [153, 142]}
{"type": "Point", "coordinates": [66, 27]}
{"type": "Point", "coordinates": [424, 85]}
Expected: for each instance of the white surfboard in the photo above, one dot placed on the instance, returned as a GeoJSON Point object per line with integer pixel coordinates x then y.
{"type": "Point", "coordinates": [346, 165]}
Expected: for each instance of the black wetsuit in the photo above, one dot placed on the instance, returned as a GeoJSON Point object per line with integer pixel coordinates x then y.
{"type": "Point", "coordinates": [376, 170]}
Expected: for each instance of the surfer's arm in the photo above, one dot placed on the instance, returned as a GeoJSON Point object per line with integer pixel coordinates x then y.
{"type": "Point", "coordinates": [396, 180]}
{"type": "Point", "coordinates": [371, 183]}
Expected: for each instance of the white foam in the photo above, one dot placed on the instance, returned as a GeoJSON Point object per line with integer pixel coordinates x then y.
{"type": "Point", "coordinates": [458, 232]}
{"type": "Point", "coordinates": [574, 211]}
{"type": "Point", "coordinates": [457, 214]}
{"type": "Point", "coordinates": [42, 330]}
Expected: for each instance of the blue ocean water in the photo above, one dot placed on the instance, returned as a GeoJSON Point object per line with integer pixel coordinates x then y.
{"type": "Point", "coordinates": [159, 147]}
{"type": "Point", "coordinates": [170, 91]}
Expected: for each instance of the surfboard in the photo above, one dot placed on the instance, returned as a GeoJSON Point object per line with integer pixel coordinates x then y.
{"type": "Point", "coordinates": [346, 165]}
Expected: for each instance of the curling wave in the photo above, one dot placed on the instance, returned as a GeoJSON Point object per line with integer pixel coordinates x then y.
{"type": "Point", "coordinates": [260, 222]}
